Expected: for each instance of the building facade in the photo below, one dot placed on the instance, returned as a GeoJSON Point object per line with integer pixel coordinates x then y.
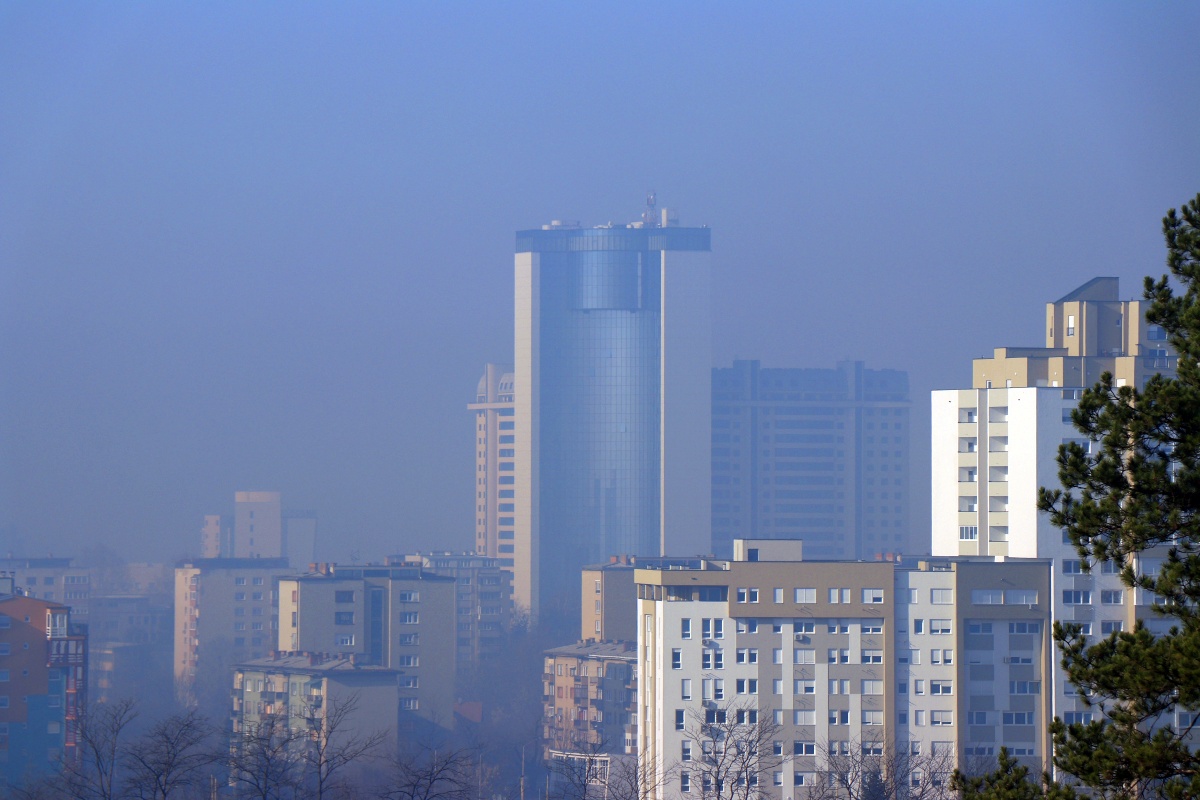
{"type": "Point", "coordinates": [309, 699]}
{"type": "Point", "coordinates": [834, 671]}
{"type": "Point", "coordinates": [401, 617]}
{"type": "Point", "coordinates": [817, 454]}
{"type": "Point", "coordinates": [260, 528]}
{"type": "Point", "coordinates": [589, 691]}
{"type": "Point", "coordinates": [995, 444]}
{"type": "Point", "coordinates": [483, 606]}
{"type": "Point", "coordinates": [224, 613]}
{"type": "Point", "coordinates": [495, 441]}
{"type": "Point", "coordinates": [43, 685]}
{"type": "Point", "coordinates": [59, 580]}
{"type": "Point", "coordinates": [610, 391]}
{"type": "Point", "coordinates": [608, 602]}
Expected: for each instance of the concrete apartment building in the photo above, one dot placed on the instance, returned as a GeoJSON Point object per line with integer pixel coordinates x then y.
{"type": "Point", "coordinates": [610, 390]}
{"type": "Point", "coordinates": [837, 665]}
{"type": "Point", "coordinates": [995, 444]}
{"type": "Point", "coordinates": [224, 613]}
{"type": "Point", "coordinates": [817, 454]}
{"type": "Point", "coordinates": [608, 607]}
{"type": "Point", "coordinates": [483, 606]}
{"type": "Point", "coordinates": [495, 441]}
{"type": "Point", "coordinates": [589, 691]}
{"type": "Point", "coordinates": [43, 684]}
{"type": "Point", "coordinates": [402, 617]}
{"type": "Point", "coordinates": [131, 646]}
{"type": "Point", "coordinates": [58, 580]}
{"type": "Point", "coordinates": [310, 693]}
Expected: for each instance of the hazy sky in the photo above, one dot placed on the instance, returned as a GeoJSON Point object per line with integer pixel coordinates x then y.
{"type": "Point", "coordinates": [269, 245]}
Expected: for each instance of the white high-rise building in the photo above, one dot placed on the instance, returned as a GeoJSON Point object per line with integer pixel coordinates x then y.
{"type": "Point", "coordinates": [996, 443]}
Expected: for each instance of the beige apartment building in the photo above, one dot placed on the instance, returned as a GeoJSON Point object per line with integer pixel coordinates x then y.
{"type": "Point", "coordinates": [313, 696]}
{"type": "Point", "coordinates": [828, 670]}
{"type": "Point", "coordinates": [401, 617]}
{"type": "Point", "coordinates": [589, 691]}
{"type": "Point", "coordinates": [224, 613]}
{"type": "Point", "coordinates": [608, 607]}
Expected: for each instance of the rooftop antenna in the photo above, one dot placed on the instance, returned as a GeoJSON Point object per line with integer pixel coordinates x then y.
{"type": "Point", "coordinates": [649, 217]}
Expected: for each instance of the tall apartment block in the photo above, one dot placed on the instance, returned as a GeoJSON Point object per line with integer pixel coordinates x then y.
{"type": "Point", "coordinates": [611, 398]}
{"type": "Point", "coordinates": [834, 667]}
{"type": "Point", "coordinates": [816, 454]}
{"type": "Point", "coordinates": [260, 528]}
{"type": "Point", "coordinates": [224, 612]}
{"type": "Point", "coordinates": [401, 617]}
{"type": "Point", "coordinates": [995, 444]}
{"type": "Point", "coordinates": [495, 441]}
{"type": "Point", "coordinates": [482, 607]}
{"type": "Point", "coordinates": [43, 684]}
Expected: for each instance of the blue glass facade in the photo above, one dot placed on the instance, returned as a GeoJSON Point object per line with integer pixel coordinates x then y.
{"type": "Point", "coordinates": [599, 387]}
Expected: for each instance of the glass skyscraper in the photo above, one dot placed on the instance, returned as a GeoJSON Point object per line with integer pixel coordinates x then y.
{"type": "Point", "coordinates": [611, 391]}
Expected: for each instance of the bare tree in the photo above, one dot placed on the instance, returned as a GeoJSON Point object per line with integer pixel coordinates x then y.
{"type": "Point", "coordinates": [424, 773]}
{"type": "Point", "coordinates": [878, 769]}
{"type": "Point", "coordinates": [632, 777]}
{"type": "Point", "coordinates": [731, 752]}
{"type": "Point", "coordinates": [334, 745]}
{"type": "Point", "coordinates": [94, 774]}
{"type": "Point", "coordinates": [171, 757]}
{"type": "Point", "coordinates": [265, 761]}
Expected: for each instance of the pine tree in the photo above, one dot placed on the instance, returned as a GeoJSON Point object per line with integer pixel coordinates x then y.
{"type": "Point", "coordinates": [1137, 496]}
{"type": "Point", "coordinates": [1010, 781]}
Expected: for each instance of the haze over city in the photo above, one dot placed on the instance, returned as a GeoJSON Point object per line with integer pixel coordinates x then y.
{"type": "Point", "coordinates": [271, 247]}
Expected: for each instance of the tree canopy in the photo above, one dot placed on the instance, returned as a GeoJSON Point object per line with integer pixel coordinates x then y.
{"type": "Point", "coordinates": [1134, 500]}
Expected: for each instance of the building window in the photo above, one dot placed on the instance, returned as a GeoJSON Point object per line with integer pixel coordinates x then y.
{"type": "Point", "coordinates": [872, 718]}
{"type": "Point", "coordinates": [1112, 597]}
{"type": "Point", "coordinates": [806, 595]}
{"type": "Point", "coordinates": [343, 618]}
{"type": "Point", "coordinates": [409, 618]}
{"type": "Point", "coordinates": [1076, 597]}
{"type": "Point", "coordinates": [968, 533]}
{"type": "Point", "coordinates": [941, 597]}
{"type": "Point", "coordinates": [941, 687]}
{"type": "Point", "coordinates": [1019, 717]}
{"type": "Point", "coordinates": [1024, 687]}
{"type": "Point", "coordinates": [939, 626]}
{"type": "Point", "coordinates": [872, 596]}
{"type": "Point", "coordinates": [345, 640]}
{"type": "Point", "coordinates": [685, 689]}
{"type": "Point", "coordinates": [679, 719]}
{"type": "Point", "coordinates": [685, 626]}
{"type": "Point", "coordinates": [942, 718]}
{"type": "Point", "coordinates": [676, 658]}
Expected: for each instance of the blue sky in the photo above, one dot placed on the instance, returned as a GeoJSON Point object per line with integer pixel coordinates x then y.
{"type": "Point", "coordinates": [270, 245]}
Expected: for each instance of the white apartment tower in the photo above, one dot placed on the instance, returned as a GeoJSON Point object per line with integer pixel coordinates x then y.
{"type": "Point", "coordinates": [996, 443]}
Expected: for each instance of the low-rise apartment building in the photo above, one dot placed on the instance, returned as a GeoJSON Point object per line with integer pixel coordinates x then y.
{"type": "Point", "coordinates": [589, 691]}
{"type": "Point", "coordinates": [401, 617]}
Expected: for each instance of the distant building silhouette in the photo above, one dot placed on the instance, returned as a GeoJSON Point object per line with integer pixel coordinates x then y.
{"type": "Point", "coordinates": [260, 528]}
{"type": "Point", "coordinates": [820, 455]}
